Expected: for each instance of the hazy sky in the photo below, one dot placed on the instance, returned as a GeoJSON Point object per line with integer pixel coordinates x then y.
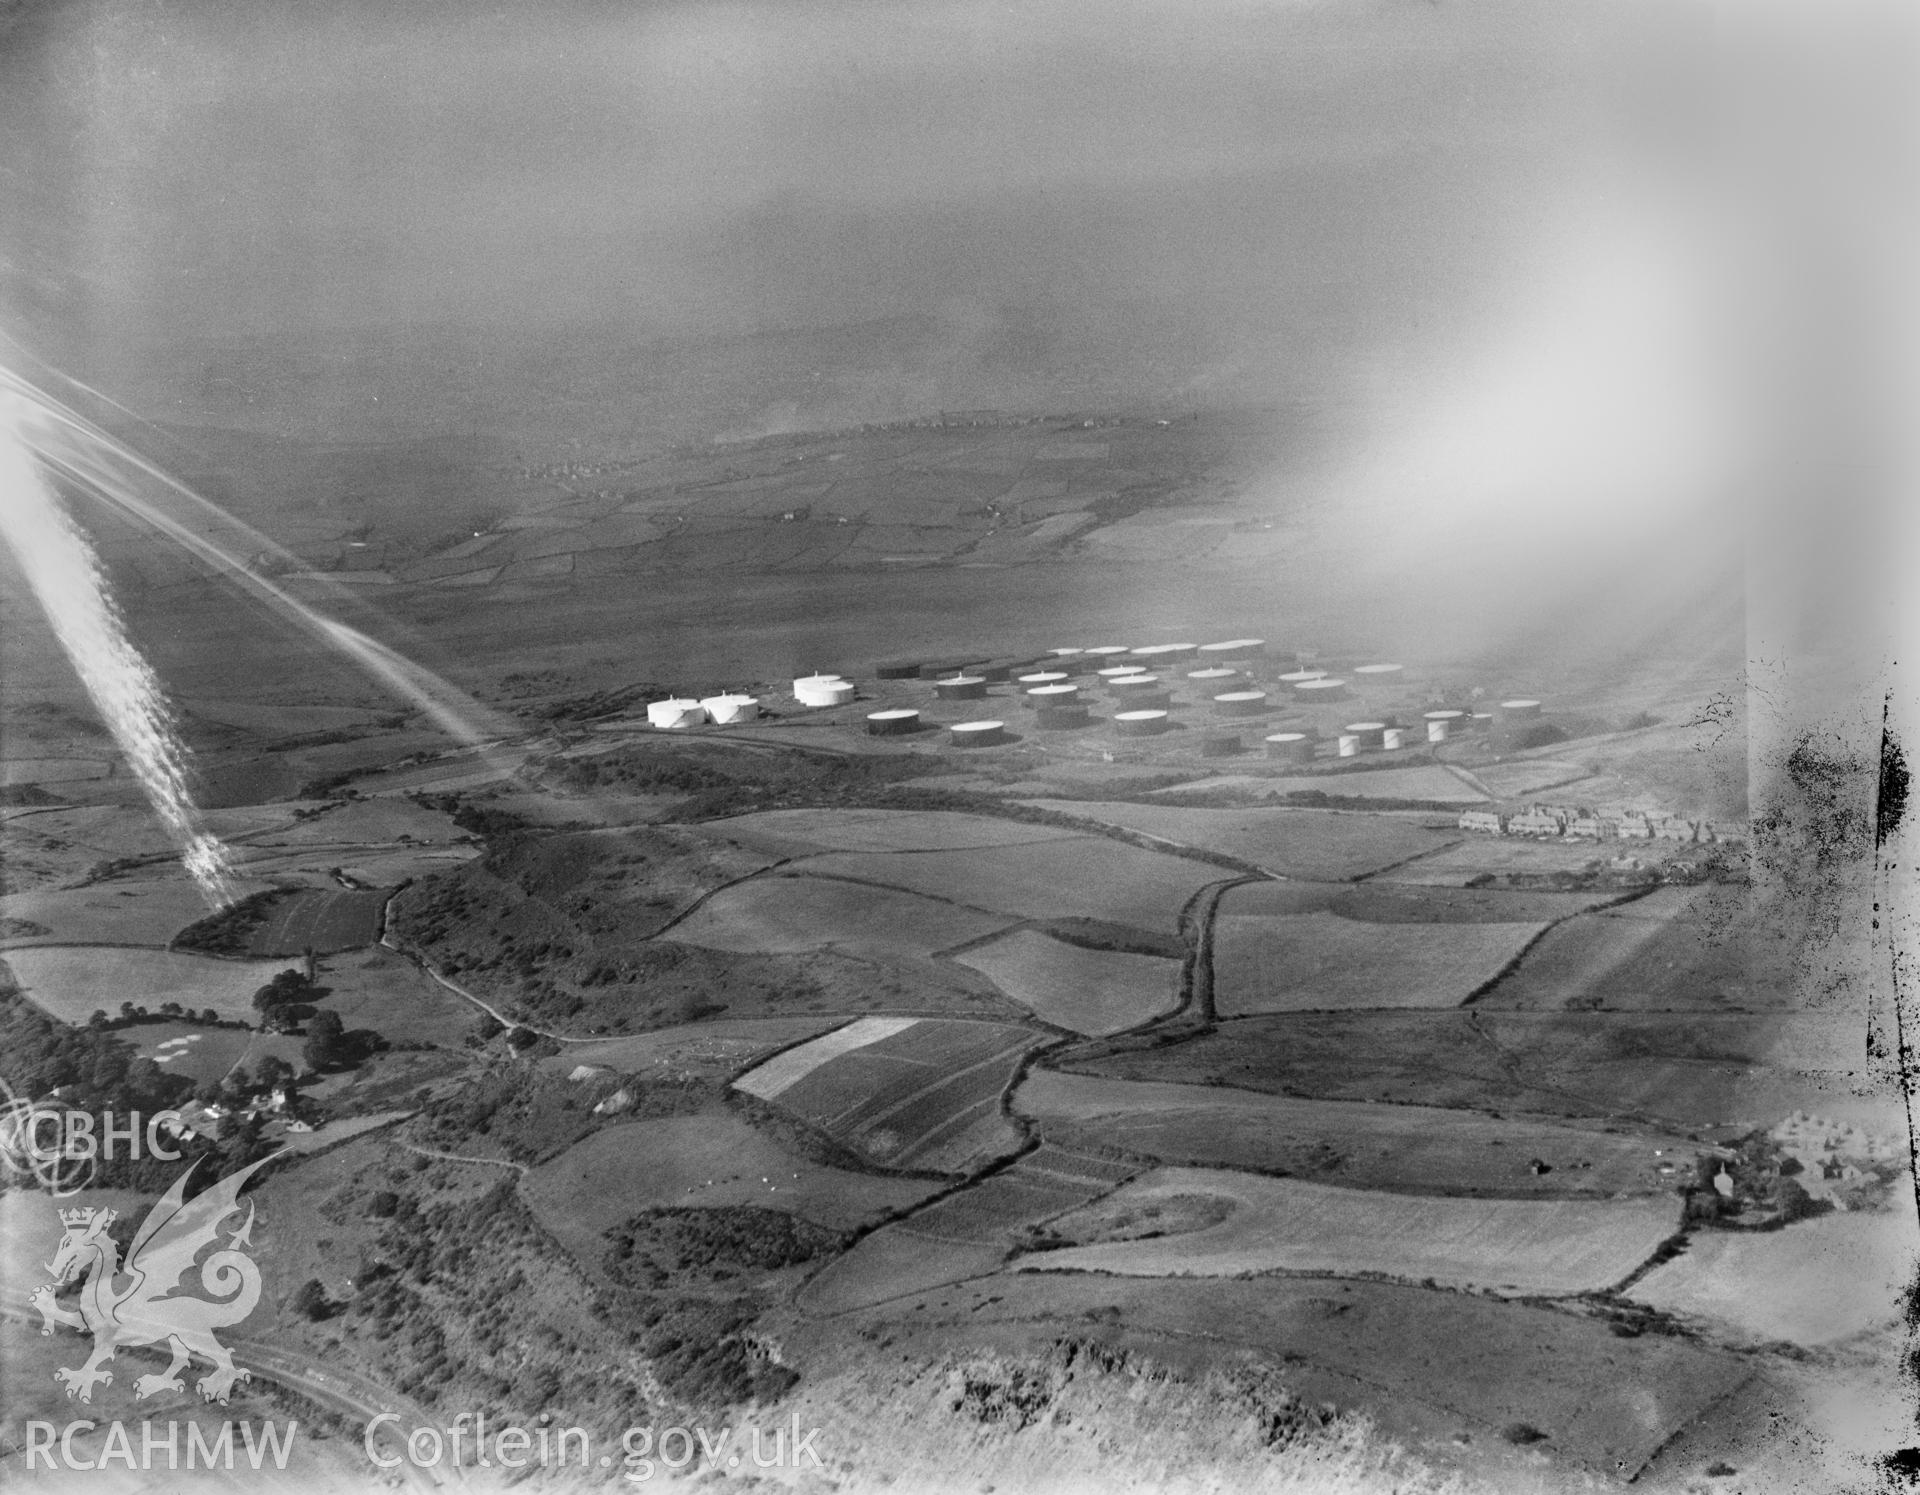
{"type": "Point", "coordinates": [1262, 169]}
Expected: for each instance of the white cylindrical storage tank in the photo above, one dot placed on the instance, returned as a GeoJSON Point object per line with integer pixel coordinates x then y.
{"type": "Point", "coordinates": [1241, 703]}
{"type": "Point", "coordinates": [1290, 747]}
{"type": "Point", "coordinates": [1234, 649]}
{"type": "Point", "coordinates": [1052, 695]}
{"type": "Point", "coordinates": [1519, 709]}
{"type": "Point", "coordinates": [1074, 653]}
{"type": "Point", "coordinates": [668, 715]}
{"type": "Point", "coordinates": [1162, 651]}
{"type": "Point", "coordinates": [978, 734]}
{"type": "Point", "coordinates": [1042, 677]}
{"type": "Point", "coordinates": [1105, 651]}
{"type": "Point", "coordinates": [731, 708]}
{"type": "Point", "coordinates": [1442, 724]}
{"type": "Point", "coordinates": [1322, 688]}
{"type": "Point", "coordinates": [1393, 739]}
{"type": "Point", "coordinates": [1479, 721]}
{"type": "Point", "coordinates": [1140, 723]}
{"type": "Point", "coordinates": [1379, 674]}
{"type": "Point", "coordinates": [823, 690]}
{"type": "Point", "coordinates": [1347, 744]}
{"type": "Point", "coordinates": [1301, 677]}
{"type": "Point", "coordinates": [960, 688]}
{"type": "Point", "coordinates": [894, 723]}
{"type": "Point", "coordinates": [1437, 731]}
{"type": "Point", "coordinates": [1213, 678]}
{"type": "Point", "coordinates": [1133, 683]}
{"type": "Point", "coordinates": [1370, 734]}
{"type": "Point", "coordinates": [1115, 672]}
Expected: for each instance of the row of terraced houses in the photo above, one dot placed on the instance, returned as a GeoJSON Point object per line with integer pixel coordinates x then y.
{"type": "Point", "coordinates": [1581, 822]}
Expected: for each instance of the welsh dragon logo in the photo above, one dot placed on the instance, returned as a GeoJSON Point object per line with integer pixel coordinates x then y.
{"type": "Point", "coordinates": [149, 1308]}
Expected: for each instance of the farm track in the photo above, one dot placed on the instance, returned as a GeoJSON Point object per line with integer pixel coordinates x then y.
{"type": "Point", "coordinates": [386, 940]}
{"type": "Point", "coordinates": [455, 1157]}
{"type": "Point", "coordinates": [1197, 986]}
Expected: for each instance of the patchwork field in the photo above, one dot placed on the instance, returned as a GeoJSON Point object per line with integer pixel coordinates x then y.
{"type": "Point", "coordinates": [1410, 1149]}
{"type": "Point", "coordinates": [1426, 781]}
{"type": "Point", "coordinates": [1326, 845]}
{"type": "Point", "coordinates": [71, 981]}
{"type": "Point", "coordinates": [1528, 776]}
{"type": "Point", "coordinates": [324, 920]}
{"type": "Point", "coordinates": [785, 1070]}
{"type": "Point", "coordinates": [366, 822]}
{"type": "Point", "coordinates": [1379, 902]}
{"type": "Point", "coordinates": [281, 719]}
{"type": "Point", "coordinates": [1085, 877]}
{"type": "Point", "coordinates": [891, 1263]}
{"type": "Point", "coordinates": [966, 1234]}
{"type": "Point", "coordinates": [779, 915]}
{"type": "Point", "coordinates": [1816, 1282]}
{"type": "Point", "coordinates": [1707, 948]}
{"type": "Point", "coordinates": [388, 869]}
{"type": "Point", "coordinates": [51, 770]}
{"type": "Point", "coordinates": [712, 1049]}
{"type": "Point", "coordinates": [712, 1159]}
{"type": "Point", "coordinates": [989, 1212]}
{"type": "Point", "coordinates": [144, 911]}
{"type": "Point", "coordinates": [179, 1048]}
{"type": "Point", "coordinates": [1320, 962]}
{"type": "Point", "coordinates": [71, 839]}
{"type": "Point", "coordinates": [1692, 1071]}
{"type": "Point", "coordinates": [379, 989]}
{"type": "Point", "coordinates": [923, 1096]}
{"type": "Point", "coordinates": [1480, 855]}
{"type": "Point", "coordinates": [1525, 1246]}
{"type": "Point", "coordinates": [1089, 991]}
{"type": "Point", "coordinates": [1481, 1365]}
{"type": "Point", "coordinates": [879, 830]}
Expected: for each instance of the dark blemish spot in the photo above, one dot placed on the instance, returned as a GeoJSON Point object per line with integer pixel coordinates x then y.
{"type": "Point", "coordinates": [1904, 1462]}
{"type": "Point", "coordinates": [1892, 805]}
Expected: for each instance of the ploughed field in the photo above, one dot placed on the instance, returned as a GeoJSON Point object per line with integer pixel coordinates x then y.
{"type": "Point", "coordinates": [919, 1094]}
{"type": "Point", "coordinates": [324, 920]}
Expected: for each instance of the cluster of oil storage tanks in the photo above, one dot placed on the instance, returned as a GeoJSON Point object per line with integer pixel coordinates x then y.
{"type": "Point", "coordinates": [1240, 680]}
